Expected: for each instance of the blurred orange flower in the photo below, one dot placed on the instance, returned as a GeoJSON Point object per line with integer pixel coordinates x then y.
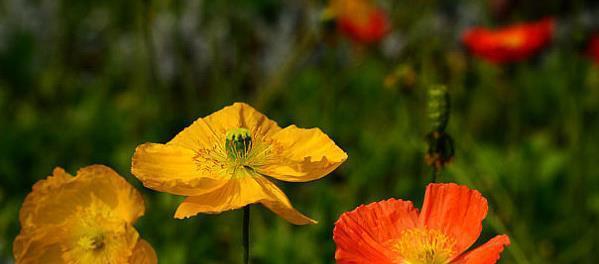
{"type": "Point", "coordinates": [83, 219]}
{"type": "Point", "coordinates": [593, 48]}
{"type": "Point", "coordinates": [510, 44]}
{"type": "Point", "coordinates": [360, 20]}
{"type": "Point", "coordinates": [393, 231]}
{"type": "Point", "coordinates": [221, 161]}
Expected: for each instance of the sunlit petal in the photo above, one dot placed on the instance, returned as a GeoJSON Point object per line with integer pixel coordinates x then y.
{"type": "Point", "coordinates": [363, 235]}
{"type": "Point", "coordinates": [456, 211]}
{"type": "Point", "coordinates": [239, 192]}
{"type": "Point", "coordinates": [209, 131]}
{"type": "Point", "coordinates": [173, 169]}
{"type": "Point", "coordinates": [488, 253]}
{"type": "Point", "coordinates": [305, 155]}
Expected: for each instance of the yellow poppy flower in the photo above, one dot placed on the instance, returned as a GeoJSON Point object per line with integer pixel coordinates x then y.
{"type": "Point", "coordinates": [83, 219]}
{"type": "Point", "coordinates": [221, 161]}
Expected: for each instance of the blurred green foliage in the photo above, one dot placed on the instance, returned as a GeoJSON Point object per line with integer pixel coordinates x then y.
{"type": "Point", "coordinates": [85, 82]}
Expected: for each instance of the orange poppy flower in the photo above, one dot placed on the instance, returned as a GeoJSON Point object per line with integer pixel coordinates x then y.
{"type": "Point", "coordinates": [509, 44]}
{"type": "Point", "coordinates": [360, 20]}
{"type": "Point", "coordinates": [221, 162]}
{"type": "Point", "coordinates": [593, 48]}
{"type": "Point", "coordinates": [393, 231]}
{"type": "Point", "coordinates": [83, 219]}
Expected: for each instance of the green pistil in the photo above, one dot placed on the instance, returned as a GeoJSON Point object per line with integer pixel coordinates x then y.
{"type": "Point", "coordinates": [238, 142]}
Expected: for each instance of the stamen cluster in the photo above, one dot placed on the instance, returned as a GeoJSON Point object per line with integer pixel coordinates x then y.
{"type": "Point", "coordinates": [424, 246]}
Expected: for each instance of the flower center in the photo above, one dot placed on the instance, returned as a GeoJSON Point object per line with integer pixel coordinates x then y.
{"type": "Point", "coordinates": [243, 154]}
{"type": "Point", "coordinates": [424, 246]}
{"type": "Point", "coordinates": [93, 242]}
{"type": "Point", "coordinates": [238, 143]}
{"type": "Point", "coordinates": [95, 233]}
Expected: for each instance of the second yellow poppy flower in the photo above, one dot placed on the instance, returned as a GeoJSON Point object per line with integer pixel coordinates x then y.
{"type": "Point", "coordinates": [220, 162]}
{"type": "Point", "coordinates": [87, 218]}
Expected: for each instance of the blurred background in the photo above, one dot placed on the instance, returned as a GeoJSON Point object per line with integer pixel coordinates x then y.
{"type": "Point", "coordinates": [85, 82]}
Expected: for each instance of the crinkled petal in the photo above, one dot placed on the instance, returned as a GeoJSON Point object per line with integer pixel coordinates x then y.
{"type": "Point", "coordinates": [488, 253]}
{"type": "Point", "coordinates": [206, 132]}
{"type": "Point", "coordinates": [31, 245]}
{"type": "Point", "coordinates": [27, 251]}
{"type": "Point", "coordinates": [104, 183]}
{"type": "Point", "coordinates": [455, 210]}
{"type": "Point", "coordinates": [238, 192]}
{"type": "Point", "coordinates": [40, 191]}
{"type": "Point", "coordinates": [363, 235]}
{"type": "Point", "coordinates": [53, 200]}
{"type": "Point", "coordinates": [173, 169]}
{"type": "Point", "coordinates": [143, 253]}
{"type": "Point", "coordinates": [303, 155]}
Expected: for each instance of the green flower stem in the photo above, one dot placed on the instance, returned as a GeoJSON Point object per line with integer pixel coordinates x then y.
{"type": "Point", "coordinates": [246, 234]}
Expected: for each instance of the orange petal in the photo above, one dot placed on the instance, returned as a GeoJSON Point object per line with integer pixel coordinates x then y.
{"type": "Point", "coordinates": [488, 253]}
{"type": "Point", "coordinates": [239, 192]}
{"type": "Point", "coordinates": [172, 169]}
{"type": "Point", "coordinates": [305, 155]}
{"type": "Point", "coordinates": [362, 235]}
{"type": "Point", "coordinates": [143, 253]}
{"type": "Point", "coordinates": [455, 210]}
{"type": "Point", "coordinates": [208, 131]}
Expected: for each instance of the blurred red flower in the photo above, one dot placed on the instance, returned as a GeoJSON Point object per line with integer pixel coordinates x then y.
{"type": "Point", "coordinates": [360, 20]}
{"type": "Point", "coordinates": [593, 48]}
{"type": "Point", "coordinates": [509, 44]}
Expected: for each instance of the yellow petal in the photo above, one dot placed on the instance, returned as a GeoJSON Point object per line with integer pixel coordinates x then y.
{"type": "Point", "coordinates": [239, 192]}
{"type": "Point", "coordinates": [236, 193]}
{"type": "Point", "coordinates": [143, 253]}
{"type": "Point", "coordinates": [209, 131]}
{"type": "Point", "coordinates": [33, 244]}
{"type": "Point", "coordinates": [104, 183]}
{"type": "Point", "coordinates": [28, 249]}
{"type": "Point", "coordinates": [305, 155]}
{"type": "Point", "coordinates": [279, 203]}
{"type": "Point", "coordinates": [173, 169]}
{"type": "Point", "coordinates": [54, 199]}
{"type": "Point", "coordinates": [41, 189]}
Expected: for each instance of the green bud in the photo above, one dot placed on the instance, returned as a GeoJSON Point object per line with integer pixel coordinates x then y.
{"type": "Point", "coordinates": [438, 107]}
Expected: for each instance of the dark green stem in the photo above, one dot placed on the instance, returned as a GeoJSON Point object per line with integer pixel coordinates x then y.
{"type": "Point", "coordinates": [246, 234]}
